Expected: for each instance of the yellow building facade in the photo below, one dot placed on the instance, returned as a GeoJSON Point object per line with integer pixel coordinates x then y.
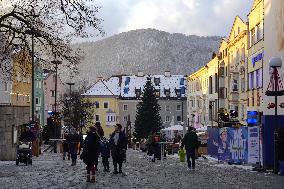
{"type": "Point", "coordinates": [103, 96]}
{"type": "Point", "coordinates": [255, 56]}
{"type": "Point", "coordinates": [237, 61]}
{"type": "Point", "coordinates": [21, 80]}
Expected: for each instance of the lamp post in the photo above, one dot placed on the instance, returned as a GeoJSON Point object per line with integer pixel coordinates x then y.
{"type": "Point", "coordinates": [69, 103]}
{"type": "Point", "coordinates": [56, 62]}
{"type": "Point", "coordinates": [275, 91]}
{"type": "Point", "coordinates": [70, 84]}
{"type": "Point", "coordinates": [33, 33]}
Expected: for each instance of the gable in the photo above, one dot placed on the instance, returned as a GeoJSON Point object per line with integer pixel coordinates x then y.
{"type": "Point", "coordinates": [238, 26]}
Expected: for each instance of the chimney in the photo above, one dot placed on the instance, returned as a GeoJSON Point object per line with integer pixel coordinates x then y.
{"type": "Point", "coordinates": [99, 78]}
{"type": "Point", "coordinates": [167, 73]}
{"type": "Point", "coordinates": [140, 74]}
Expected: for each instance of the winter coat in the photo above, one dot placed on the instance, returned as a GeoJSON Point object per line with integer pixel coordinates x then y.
{"type": "Point", "coordinates": [190, 140]}
{"type": "Point", "coordinates": [91, 148]}
{"type": "Point", "coordinates": [73, 141]}
{"type": "Point", "coordinates": [118, 151]}
{"type": "Point", "coordinates": [105, 148]}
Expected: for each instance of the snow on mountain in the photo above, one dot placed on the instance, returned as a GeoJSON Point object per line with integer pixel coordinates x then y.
{"type": "Point", "coordinates": [147, 50]}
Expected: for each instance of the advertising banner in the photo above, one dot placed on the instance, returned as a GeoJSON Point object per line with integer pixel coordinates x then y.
{"type": "Point", "coordinates": [212, 143]}
{"type": "Point", "coordinates": [253, 144]}
{"type": "Point", "coordinates": [229, 144]}
{"type": "Point", "coordinates": [238, 144]}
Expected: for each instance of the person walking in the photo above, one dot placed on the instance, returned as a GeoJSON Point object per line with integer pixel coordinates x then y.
{"type": "Point", "coordinates": [74, 140]}
{"type": "Point", "coordinates": [105, 153]}
{"type": "Point", "coordinates": [118, 146]}
{"type": "Point", "coordinates": [190, 141]}
{"type": "Point", "coordinates": [89, 153]}
{"type": "Point", "coordinates": [66, 146]}
{"type": "Point", "coordinates": [100, 133]}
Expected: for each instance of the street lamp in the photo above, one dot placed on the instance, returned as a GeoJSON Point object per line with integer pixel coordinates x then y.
{"type": "Point", "coordinates": [69, 103]}
{"type": "Point", "coordinates": [33, 33]}
{"type": "Point", "coordinates": [56, 62]}
{"type": "Point", "coordinates": [70, 84]}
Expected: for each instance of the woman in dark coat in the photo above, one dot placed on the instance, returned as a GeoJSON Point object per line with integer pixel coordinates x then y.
{"type": "Point", "coordinates": [118, 145]}
{"type": "Point", "coordinates": [100, 133]}
{"type": "Point", "coordinates": [90, 151]}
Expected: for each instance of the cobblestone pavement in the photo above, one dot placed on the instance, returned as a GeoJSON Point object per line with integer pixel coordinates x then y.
{"type": "Point", "coordinates": [50, 171]}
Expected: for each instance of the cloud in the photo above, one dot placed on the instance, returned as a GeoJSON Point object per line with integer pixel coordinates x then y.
{"type": "Point", "coordinates": [199, 17]}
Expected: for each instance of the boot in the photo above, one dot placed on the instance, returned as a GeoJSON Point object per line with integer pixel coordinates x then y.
{"type": "Point", "coordinates": [88, 178]}
{"type": "Point", "coordinates": [93, 177]}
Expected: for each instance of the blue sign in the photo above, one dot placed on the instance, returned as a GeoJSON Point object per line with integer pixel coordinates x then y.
{"type": "Point", "coordinates": [257, 58]}
{"type": "Point", "coordinates": [252, 118]}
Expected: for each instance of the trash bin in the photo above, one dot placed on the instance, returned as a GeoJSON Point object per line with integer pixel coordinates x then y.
{"type": "Point", "coordinates": [281, 167]}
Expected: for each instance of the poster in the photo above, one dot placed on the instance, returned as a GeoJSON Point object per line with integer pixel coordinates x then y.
{"type": "Point", "coordinates": [228, 144]}
{"type": "Point", "coordinates": [253, 144]}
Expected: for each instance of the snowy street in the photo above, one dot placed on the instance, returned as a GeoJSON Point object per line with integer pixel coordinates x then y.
{"type": "Point", "coordinates": [50, 171]}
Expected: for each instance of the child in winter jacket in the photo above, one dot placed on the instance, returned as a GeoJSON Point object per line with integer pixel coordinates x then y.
{"type": "Point", "coordinates": [105, 153]}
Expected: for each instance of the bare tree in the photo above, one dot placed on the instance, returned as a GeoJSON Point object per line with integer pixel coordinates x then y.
{"type": "Point", "coordinates": [52, 23]}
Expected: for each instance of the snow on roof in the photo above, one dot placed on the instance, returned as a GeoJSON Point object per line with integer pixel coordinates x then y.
{"type": "Point", "coordinates": [173, 82]}
{"type": "Point", "coordinates": [109, 87]}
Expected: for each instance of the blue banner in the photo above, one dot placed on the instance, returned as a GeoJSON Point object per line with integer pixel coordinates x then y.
{"type": "Point", "coordinates": [228, 144]}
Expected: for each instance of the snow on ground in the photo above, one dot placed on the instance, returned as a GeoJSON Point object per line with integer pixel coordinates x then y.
{"type": "Point", "coordinates": [50, 171]}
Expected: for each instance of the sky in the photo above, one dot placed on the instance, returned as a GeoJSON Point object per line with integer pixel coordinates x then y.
{"type": "Point", "coordinates": [190, 17]}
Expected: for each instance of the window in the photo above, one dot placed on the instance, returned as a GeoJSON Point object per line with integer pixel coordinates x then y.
{"type": "Point", "coordinates": [178, 118]}
{"type": "Point", "coordinates": [192, 103]}
{"type": "Point", "coordinates": [258, 77]}
{"type": "Point", "coordinates": [5, 86]}
{"type": "Point", "coordinates": [251, 80]}
{"type": "Point", "coordinates": [17, 96]}
{"type": "Point", "coordinates": [97, 104]}
{"type": "Point", "coordinates": [198, 103]}
{"type": "Point", "coordinates": [178, 92]}
{"type": "Point", "coordinates": [253, 40]}
{"type": "Point", "coordinates": [105, 104]}
{"type": "Point", "coordinates": [210, 85]}
{"type": "Point", "coordinates": [138, 92]}
{"type": "Point", "coordinates": [125, 118]}
{"type": "Point", "coordinates": [97, 118]}
{"type": "Point", "coordinates": [178, 107]}
{"type": "Point", "coordinates": [216, 82]}
{"type": "Point", "coordinates": [37, 101]}
{"type": "Point", "coordinates": [157, 81]}
{"type": "Point", "coordinates": [125, 107]}
{"type": "Point", "coordinates": [157, 92]}
{"type": "Point", "coordinates": [167, 108]}
{"type": "Point", "coordinates": [235, 85]}
{"type": "Point", "coordinates": [239, 30]}
{"type": "Point", "coordinates": [243, 85]}
{"type": "Point", "coordinates": [222, 72]}
{"type": "Point", "coordinates": [243, 52]}
{"type": "Point", "coordinates": [38, 84]}
{"type": "Point", "coordinates": [167, 118]}
{"type": "Point", "coordinates": [258, 33]}
{"type": "Point", "coordinates": [52, 93]}
{"type": "Point", "coordinates": [167, 92]}
{"type": "Point", "coordinates": [237, 57]}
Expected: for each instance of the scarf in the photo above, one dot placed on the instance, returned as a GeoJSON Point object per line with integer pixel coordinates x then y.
{"type": "Point", "coordinates": [116, 138]}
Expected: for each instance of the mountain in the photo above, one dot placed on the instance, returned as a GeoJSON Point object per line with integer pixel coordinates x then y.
{"type": "Point", "coordinates": [147, 50]}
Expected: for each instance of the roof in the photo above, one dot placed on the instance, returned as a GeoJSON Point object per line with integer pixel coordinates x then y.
{"type": "Point", "coordinates": [109, 87]}
{"type": "Point", "coordinates": [173, 82]}
{"type": "Point", "coordinates": [130, 84]}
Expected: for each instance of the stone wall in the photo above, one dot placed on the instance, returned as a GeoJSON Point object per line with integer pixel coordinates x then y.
{"type": "Point", "coordinates": [10, 118]}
